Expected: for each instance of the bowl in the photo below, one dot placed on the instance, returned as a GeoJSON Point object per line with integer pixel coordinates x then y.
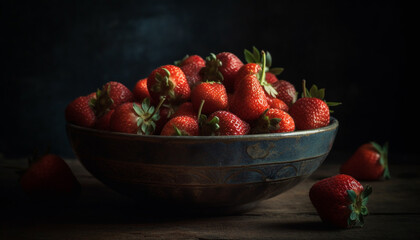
{"type": "Point", "coordinates": [216, 174]}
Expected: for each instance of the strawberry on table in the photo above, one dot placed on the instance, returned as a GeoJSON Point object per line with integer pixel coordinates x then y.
{"type": "Point", "coordinates": [311, 111]}
{"type": "Point", "coordinates": [369, 162]}
{"type": "Point", "coordinates": [80, 112]}
{"type": "Point", "coordinates": [50, 178]}
{"type": "Point", "coordinates": [340, 200]}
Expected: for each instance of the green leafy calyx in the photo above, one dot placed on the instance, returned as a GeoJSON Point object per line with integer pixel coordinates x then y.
{"type": "Point", "coordinates": [358, 207]}
{"type": "Point", "coordinates": [383, 160]}
{"type": "Point", "coordinates": [211, 73]}
{"type": "Point", "coordinates": [256, 57]}
{"type": "Point", "coordinates": [147, 116]}
{"type": "Point", "coordinates": [102, 103]}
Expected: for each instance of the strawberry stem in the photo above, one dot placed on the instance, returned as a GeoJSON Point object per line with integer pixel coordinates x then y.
{"type": "Point", "coordinates": [262, 78]}
{"type": "Point", "coordinates": [200, 108]}
{"type": "Point", "coordinates": [304, 88]}
{"type": "Point", "coordinates": [162, 99]}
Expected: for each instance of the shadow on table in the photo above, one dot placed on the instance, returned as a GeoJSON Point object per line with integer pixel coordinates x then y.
{"type": "Point", "coordinates": [301, 226]}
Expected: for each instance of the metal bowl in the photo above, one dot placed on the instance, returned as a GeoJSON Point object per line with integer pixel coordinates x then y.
{"type": "Point", "coordinates": [225, 174]}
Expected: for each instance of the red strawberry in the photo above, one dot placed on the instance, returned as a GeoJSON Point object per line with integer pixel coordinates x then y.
{"type": "Point", "coordinates": [274, 120]}
{"type": "Point", "coordinates": [185, 109]}
{"type": "Point", "coordinates": [109, 97]}
{"type": "Point", "coordinates": [191, 66]}
{"type": "Point", "coordinates": [230, 66]}
{"type": "Point", "coordinates": [277, 103]}
{"type": "Point", "coordinates": [247, 69]}
{"type": "Point", "coordinates": [285, 91]}
{"type": "Point", "coordinates": [168, 81]}
{"type": "Point", "coordinates": [181, 126]}
{"type": "Point", "coordinates": [140, 90]}
{"type": "Point", "coordinates": [213, 93]}
{"type": "Point", "coordinates": [340, 200]}
{"type": "Point", "coordinates": [369, 162]}
{"type": "Point", "coordinates": [264, 60]}
{"type": "Point", "coordinates": [249, 101]}
{"type": "Point", "coordinates": [80, 113]}
{"type": "Point", "coordinates": [223, 123]}
{"type": "Point", "coordinates": [311, 111]}
{"type": "Point", "coordinates": [222, 68]}
{"type": "Point", "coordinates": [134, 118]}
{"type": "Point", "coordinates": [103, 122]}
{"type": "Point", "coordinates": [50, 178]}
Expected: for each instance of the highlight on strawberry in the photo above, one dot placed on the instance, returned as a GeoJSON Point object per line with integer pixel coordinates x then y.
{"type": "Point", "coordinates": [246, 95]}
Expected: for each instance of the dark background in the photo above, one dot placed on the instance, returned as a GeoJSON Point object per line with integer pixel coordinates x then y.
{"type": "Point", "coordinates": [53, 52]}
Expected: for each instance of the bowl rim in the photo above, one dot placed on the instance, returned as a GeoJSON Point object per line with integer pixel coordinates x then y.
{"type": "Point", "coordinates": [251, 137]}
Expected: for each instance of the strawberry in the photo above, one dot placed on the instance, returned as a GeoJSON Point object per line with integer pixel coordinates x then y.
{"type": "Point", "coordinates": [80, 113]}
{"type": "Point", "coordinates": [134, 118]}
{"type": "Point", "coordinates": [213, 93]}
{"type": "Point", "coordinates": [185, 109]}
{"type": "Point", "coordinates": [277, 103]}
{"type": "Point", "coordinates": [247, 69]}
{"type": "Point", "coordinates": [191, 66]}
{"type": "Point", "coordinates": [274, 120]}
{"type": "Point", "coordinates": [369, 162]}
{"type": "Point", "coordinates": [140, 90]}
{"type": "Point", "coordinates": [103, 122]}
{"type": "Point", "coordinates": [311, 111]}
{"type": "Point", "coordinates": [50, 178]}
{"type": "Point", "coordinates": [222, 68]}
{"type": "Point", "coordinates": [285, 90]}
{"type": "Point", "coordinates": [223, 123]}
{"type": "Point", "coordinates": [168, 81]}
{"type": "Point", "coordinates": [181, 126]}
{"type": "Point", "coordinates": [340, 200]}
{"type": "Point", "coordinates": [111, 95]}
{"type": "Point", "coordinates": [249, 100]}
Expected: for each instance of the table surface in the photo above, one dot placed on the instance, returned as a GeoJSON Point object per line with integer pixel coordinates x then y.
{"type": "Point", "coordinates": [100, 213]}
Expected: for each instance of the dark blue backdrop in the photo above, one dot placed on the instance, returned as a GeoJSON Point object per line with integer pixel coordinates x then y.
{"type": "Point", "coordinates": [53, 52]}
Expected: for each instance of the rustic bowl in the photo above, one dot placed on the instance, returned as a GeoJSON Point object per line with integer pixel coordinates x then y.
{"type": "Point", "coordinates": [225, 174]}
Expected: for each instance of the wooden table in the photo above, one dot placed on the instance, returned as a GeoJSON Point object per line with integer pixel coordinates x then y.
{"type": "Point", "coordinates": [100, 213]}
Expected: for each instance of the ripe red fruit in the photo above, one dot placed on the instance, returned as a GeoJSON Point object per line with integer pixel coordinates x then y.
{"type": "Point", "coordinates": [185, 109]}
{"type": "Point", "coordinates": [214, 94]}
{"type": "Point", "coordinates": [111, 95]}
{"type": "Point", "coordinates": [230, 66]}
{"type": "Point", "coordinates": [340, 200]}
{"type": "Point", "coordinates": [311, 111]}
{"type": "Point", "coordinates": [369, 162]}
{"type": "Point", "coordinates": [50, 178]}
{"type": "Point", "coordinates": [103, 122]}
{"type": "Point", "coordinates": [274, 120]}
{"type": "Point", "coordinates": [191, 66]}
{"type": "Point", "coordinates": [140, 90]}
{"type": "Point", "coordinates": [277, 103]}
{"type": "Point", "coordinates": [80, 113]}
{"type": "Point", "coordinates": [134, 118]}
{"type": "Point", "coordinates": [285, 91]}
{"type": "Point", "coordinates": [222, 68]}
{"type": "Point", "coordinates": [249, 101]}
{"type": "Point", "coordinates": [223, 123]}
{"type": "Point", "coordinates": [181, 126]}
{"type": "Point", "coordinates": [168, 81]}
{"type": "Point", "coordinates": [247, 69]}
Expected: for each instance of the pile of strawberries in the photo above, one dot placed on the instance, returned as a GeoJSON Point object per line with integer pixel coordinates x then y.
{"type": "Point", "coordinates": [216, 96]}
